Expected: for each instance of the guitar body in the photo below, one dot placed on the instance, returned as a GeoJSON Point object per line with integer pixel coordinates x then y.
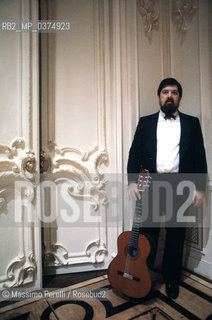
{"type": "Point", "coordinates": [129, 274]}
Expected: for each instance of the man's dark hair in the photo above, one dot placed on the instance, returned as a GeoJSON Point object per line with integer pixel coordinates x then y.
{"type": "Point", "coordinates": [170, 82]}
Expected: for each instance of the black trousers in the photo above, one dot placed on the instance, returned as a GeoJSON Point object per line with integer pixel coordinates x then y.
{"type": "Point", "coordinates": [163, 203]}
{"type": "Point", "coordinates": [173, 251]}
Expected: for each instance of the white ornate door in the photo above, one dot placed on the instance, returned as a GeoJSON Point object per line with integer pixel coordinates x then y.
{"type": "Point", "coordinates": [78, 197]}
{"type": "Point", "coordinates": [19, 148]}
{"type": "Point", "coordinates": [81, 227]}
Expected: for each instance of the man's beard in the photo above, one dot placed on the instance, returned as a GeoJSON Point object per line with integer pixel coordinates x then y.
{"type": "Point", "coordinates": [169, 108]}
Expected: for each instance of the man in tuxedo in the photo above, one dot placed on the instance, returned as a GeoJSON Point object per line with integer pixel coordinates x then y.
{"type": "Point", "coordinates": [169, 144]}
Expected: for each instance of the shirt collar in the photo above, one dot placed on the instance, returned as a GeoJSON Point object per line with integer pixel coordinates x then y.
{"type": "Point", "coordinates": [162, 115]}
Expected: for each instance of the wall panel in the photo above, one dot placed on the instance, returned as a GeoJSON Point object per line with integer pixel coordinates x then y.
{"type": "Point", "coordinates": [19, 149]}
{"type": "Point", "coordinates": [75, 99]}
{"type": "Point", "coordinates": [9, 68]}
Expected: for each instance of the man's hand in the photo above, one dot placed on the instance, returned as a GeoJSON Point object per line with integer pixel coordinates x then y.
{"type": "Point", "coordinates": [198, 198]}
{"type": "Point", "coordinates": [132, 192]}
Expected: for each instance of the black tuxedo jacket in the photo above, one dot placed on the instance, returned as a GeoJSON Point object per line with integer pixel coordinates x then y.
{"type": "Point", "coordinates": [192, 152]}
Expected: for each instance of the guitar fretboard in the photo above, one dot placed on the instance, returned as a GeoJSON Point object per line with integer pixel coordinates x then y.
{"type": "Point", "coordinates": [136, 224]}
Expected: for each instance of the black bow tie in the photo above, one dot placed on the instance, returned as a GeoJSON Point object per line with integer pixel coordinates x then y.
{"type": "Point", "coordinates": [171, 116]}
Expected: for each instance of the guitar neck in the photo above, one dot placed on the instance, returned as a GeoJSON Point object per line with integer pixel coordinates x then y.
{"type": "Point", "coordinates": [136, 223]}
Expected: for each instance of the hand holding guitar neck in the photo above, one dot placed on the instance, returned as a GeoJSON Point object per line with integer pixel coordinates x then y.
{"type": "Point", "coordinates": [128, 272]}
{"type": "Point", "coordinates": [133, 192]}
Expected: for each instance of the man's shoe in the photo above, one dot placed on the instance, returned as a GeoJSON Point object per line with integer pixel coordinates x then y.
{"type": "Point", "coordinates": [172, 290]}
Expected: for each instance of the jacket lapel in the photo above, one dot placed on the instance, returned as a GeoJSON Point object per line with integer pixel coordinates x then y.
{"type": "Point", "coordinates": [184, 137]}
{"type": "Point", "coordinates": [152, 138]}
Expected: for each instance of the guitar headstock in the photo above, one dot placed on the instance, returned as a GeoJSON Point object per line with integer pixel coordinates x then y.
{"type": "Point", "coordinates": [143, 180]}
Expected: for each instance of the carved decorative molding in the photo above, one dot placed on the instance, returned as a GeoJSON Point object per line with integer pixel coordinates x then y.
{"type": "Point", "coordinates": [182, 12]}
{"type": "Point", "coordinates": [149, 15]}
{"type": "Point", "coordinates": [18, 164]}
{"type": "Point", "coordinates": [22, 269]}
{"type": "Point", "coordinates": [84, 168]}
{"type": "Point", "coordinates": [29, 163]}
{"type": "Point", "coordinates": [19, 270]}
{"type": "Point", "coordinates": [15, 158]}
{"type": "Point", "coordinates": [6, 193]}
{"type": "Point", "coordinates": [83, 172]}
{"type": "Point", "coordinates": [58, 255]}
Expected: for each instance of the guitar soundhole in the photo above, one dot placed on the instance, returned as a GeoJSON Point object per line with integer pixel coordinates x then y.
{"type": "Point", "coordinates": [132, 251]}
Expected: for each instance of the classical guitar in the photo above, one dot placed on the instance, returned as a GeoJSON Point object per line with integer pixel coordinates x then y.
{"type": "Point", "coordinates": [128, 272]}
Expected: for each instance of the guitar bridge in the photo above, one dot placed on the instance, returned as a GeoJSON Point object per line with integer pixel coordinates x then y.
{"type": "Point", "coordinates": [128, 276]}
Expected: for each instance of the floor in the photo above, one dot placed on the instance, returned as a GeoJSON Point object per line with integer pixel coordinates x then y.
{"type": "Point", "coordinates": [64, 280]}
{"type": "Point", "coordinates": [94, 298]}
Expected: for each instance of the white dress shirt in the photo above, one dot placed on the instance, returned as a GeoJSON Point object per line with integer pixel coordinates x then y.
{"type": "Point", "coordinates": [168, 141]}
